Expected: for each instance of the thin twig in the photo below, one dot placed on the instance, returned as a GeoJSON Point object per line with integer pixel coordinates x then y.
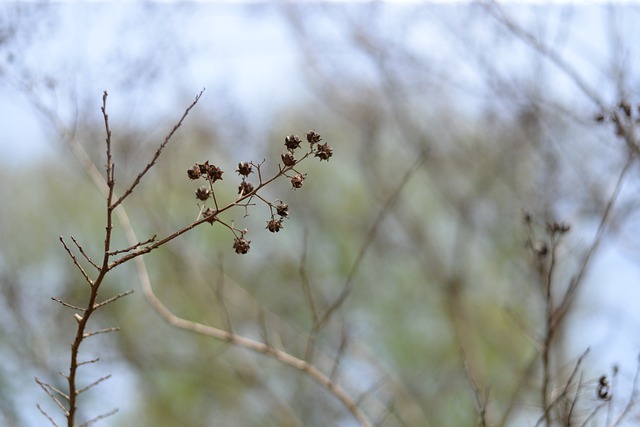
{"type": "Point", "coordinates": [157, 153]}
{"type": "Point", "coordinates": [112, 299]}
{"type": "Point", "coordinates": [42, 411]}
{"type": "Point", "coordinates": [93, 384]}
{"type": "Point", "coordinates": [66, 304]}
{"type": "Point", "coordinates": [75, 261]}
{"type": "Point", "coordinates": [565, 391]}
{"type": "Point", "coordinates": [47, 388]}
{"type": "Point", "coordinates": [132, 247]}
{"type": "Point", "coordinates": [348, 285]}
{"type": "Point", "coordinates": [341, 349]}
{"type": "Point", "coordinates": [569, 296]}
{"type": "Point", "coordinates": [101, 331]}
{"type": "Point", "coordinates": [98, 418]}
{"type": "Point", "coordinates": [87, 257]}
{"type": "Point", "coordinates": [633, 398]}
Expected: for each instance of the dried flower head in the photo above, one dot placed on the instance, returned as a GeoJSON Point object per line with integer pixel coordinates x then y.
{"type": "Point", "coordinates": [313, 137]}
{"type": "Point", "coordinates": [194, 172]}
{"type": "Point", "coordinates": [274, 225]}
{"type": "Point", "coordinates": [245, 187]}
{"type": "Point", "coordinates": [244, 168]}
{"type": "Point", "coordinates": [292, 142]}
{"type": "Point", "coordinates": [282, 209]}
{"type": "Point", "coordinates": [288, 159]}
{"type": "Point", "coordinates": [297, 181]}
{"type": "Point", "coordinates": [324, 151]}
{"type": "Point", "coordinates": [214, 173]}
{"type": "Point", "coordinates": [203, 193]}
{"type": "Point", "coordinates": [241, 245]}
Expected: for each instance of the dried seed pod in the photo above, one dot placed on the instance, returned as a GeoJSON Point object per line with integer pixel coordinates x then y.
{"type": "Point", "coordinates": [241, 245]}
{"type": "Point", "coordinates": [274, 225]}
{"type": "Point", "coordinates": [292, 142]}
{"type": "Point", "coordinates": [297, 181]}
{"type": "Point", "coordinates": [244, 168]}
{"type": "Point", "coordinates": [194, 172]}
{"type": "Point", "coordinates": [288, 159]}
{"type": "Point", "coordinates": [214, 173]}
{"type": "Point", "coordinates": [282, 209]}
{"type": "Point", "coordinates": [203, 193]}
{"type": "Point", "coordinates": [324, 151]}
{"type": "Point", "coordinates": [204, 167]}
{"type": "Point", "coordinates": [245, 187]}
{"type": "Point", "coordinates": [313, 137]}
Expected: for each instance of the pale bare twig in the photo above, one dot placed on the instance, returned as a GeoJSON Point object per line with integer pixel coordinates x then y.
{"type": "Point", "coordinates": [101, 331]}
{"type": "Point", "coordinates": [98, 418]}
{"type": "Point", "coordinates": [547, 409]}
{"type": "Point", "coordinates": [48, 389]}
{"type": "Point", "coordinates": [42, 411]}
{"type": "Point", "coordinates": [112, 299]}
{"type": "Point", "coordinates": [93, 384]}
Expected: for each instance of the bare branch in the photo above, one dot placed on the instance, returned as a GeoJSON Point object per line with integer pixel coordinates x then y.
{"type": "Point", "coordinates": [547, 409]}
{"type": "Point", "coordinates": [348, 285]}
{"type": "Point", "coordinates": [48, 389]}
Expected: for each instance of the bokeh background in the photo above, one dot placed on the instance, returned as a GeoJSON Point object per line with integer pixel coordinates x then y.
{"type": "Point", "coordinates": [449, 123]}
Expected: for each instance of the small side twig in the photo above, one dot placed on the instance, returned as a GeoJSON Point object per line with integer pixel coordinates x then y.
{"type": "Point", "coordinates": [66, 304]}
{"type": "Point", "coordinates": [112, 299]}
{"type": "Point", "coordinates": [87, 257]}
{"type": "Point", "coordinates": [75, 262]}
